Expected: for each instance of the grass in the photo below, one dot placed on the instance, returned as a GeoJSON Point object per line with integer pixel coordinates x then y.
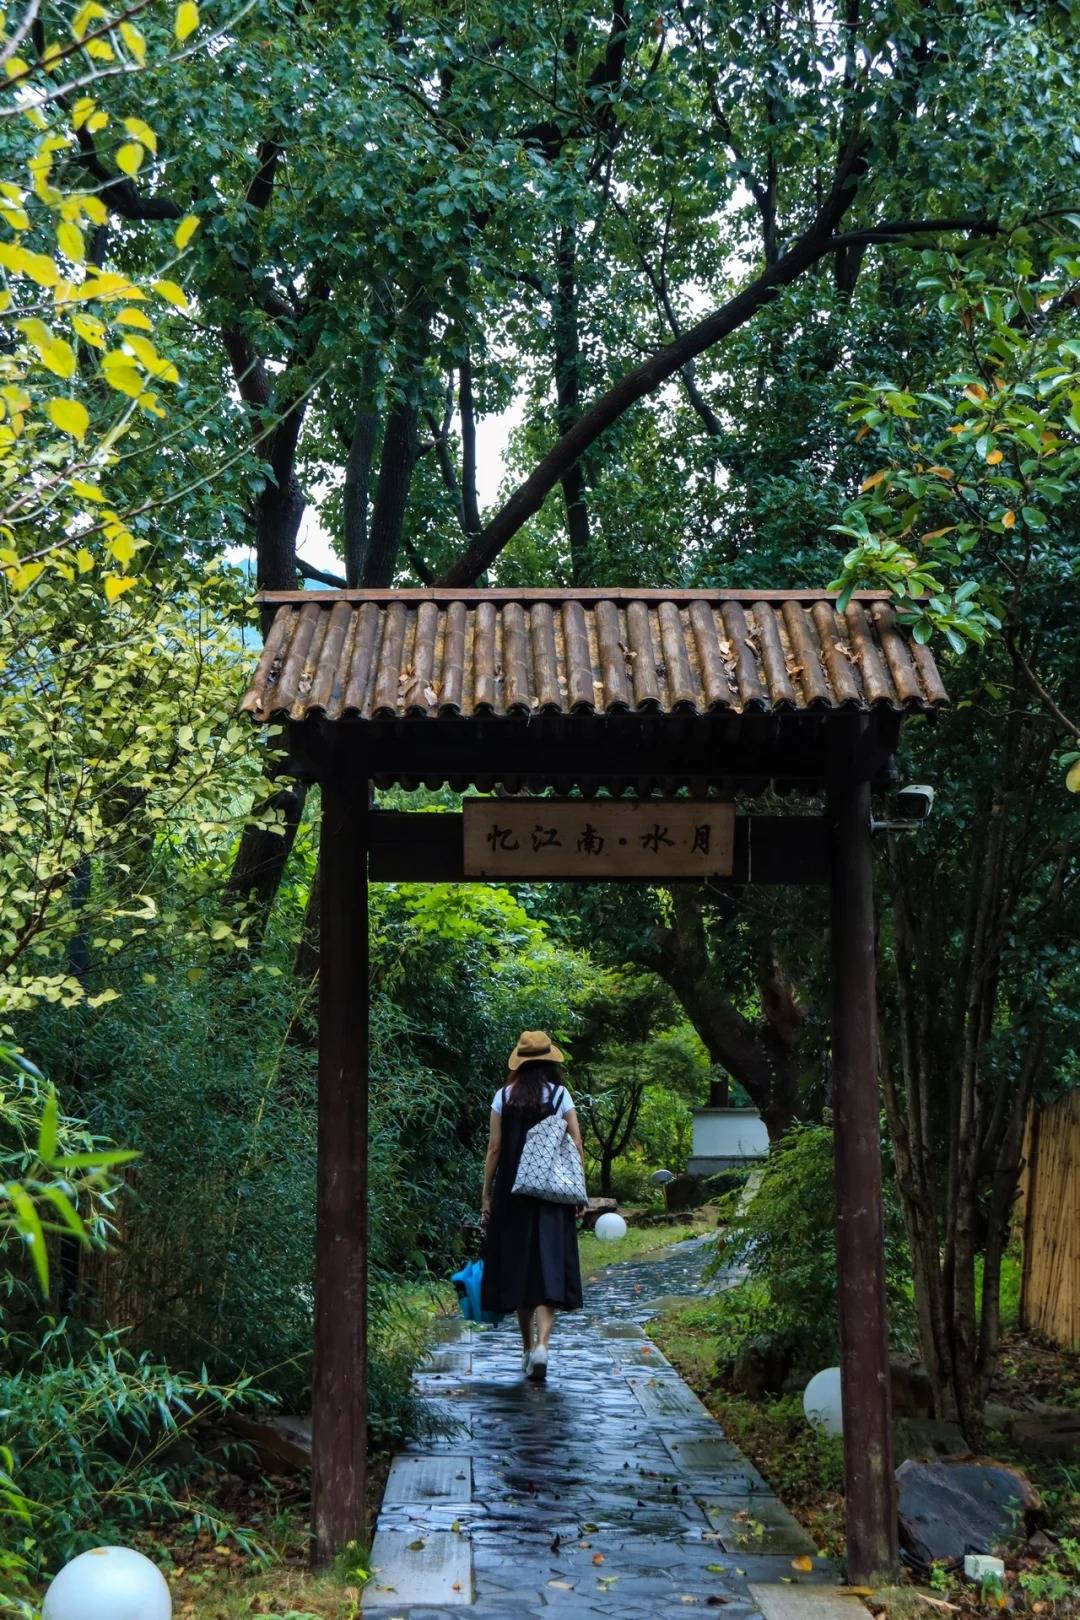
{"type": "Point", "coordinates": [643, 1242]}
{"type": "Point", "coordinates": [285, 1594]}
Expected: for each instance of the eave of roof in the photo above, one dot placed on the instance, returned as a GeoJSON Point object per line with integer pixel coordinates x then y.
{"type": "Point", "coordinates": [432, 655]}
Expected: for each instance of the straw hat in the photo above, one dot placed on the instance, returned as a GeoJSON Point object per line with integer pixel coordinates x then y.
{"type": "Point", "coordinates": [534, 1046]}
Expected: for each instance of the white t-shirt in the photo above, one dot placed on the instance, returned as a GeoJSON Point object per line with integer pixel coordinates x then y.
{"type": "Point", "coordinates": [566, 1102]}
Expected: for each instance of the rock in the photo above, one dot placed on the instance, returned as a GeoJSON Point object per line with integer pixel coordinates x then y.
{"type": "Point", "coordinates": [281, 1439]}
{"type": "Point", "coordinates": [686, 1192]}
{"type": "Point", "coordinates": [761, 1366]}
{"type": "Point", "coordinates": [924, 1437]}
{"type": "Point", "coordinates": [912, 1394]}
{"type": "Point", "coordinates": [952, 1506]}
{"type": "Point", "coordinates": [1047, 1434]}
{"type": "Point", "coordinates": [597, 1207]}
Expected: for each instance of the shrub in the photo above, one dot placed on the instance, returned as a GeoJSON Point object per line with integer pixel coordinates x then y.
{"type": "Point", "coordinates": [631, 1182]}
{"type": "Point", "coordinates": [92, 1437]}
{"type": "Point", "coordinates": [785, 1240]}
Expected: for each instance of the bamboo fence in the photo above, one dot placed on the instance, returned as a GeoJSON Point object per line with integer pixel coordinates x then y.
{"type": "Point", "coordinates": [1050, 1188]}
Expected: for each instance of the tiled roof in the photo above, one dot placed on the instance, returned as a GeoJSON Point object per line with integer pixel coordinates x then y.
{"type": "Point", "coordinates": [424, 654]}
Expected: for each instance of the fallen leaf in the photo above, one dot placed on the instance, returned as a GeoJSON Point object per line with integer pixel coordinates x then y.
{"type": "Point", "coordinates": [416, 1546]}
{"type": "Point", "coordinates": [456, 1587]}
{"type": "Point", "coordinates": [802, 1563]}
{"type": "Point", "coordinates": [598, 1558]}
{"type": "Point", "coordinates": [563, 1586]}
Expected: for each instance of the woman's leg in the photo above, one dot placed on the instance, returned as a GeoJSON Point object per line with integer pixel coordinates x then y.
{"type": "Point", "coordinates": [545, 1321]}
{"type": "Point", "coordinates": [525, 1323]}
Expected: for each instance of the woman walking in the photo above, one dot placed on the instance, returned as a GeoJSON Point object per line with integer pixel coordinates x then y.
{"type": "Point", "coordinates": [531, 1261]}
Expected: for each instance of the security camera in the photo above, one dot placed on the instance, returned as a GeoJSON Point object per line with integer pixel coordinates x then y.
{"type": "Point", "coordinates": [910, 808]}
{"type": "Point", "coordinates": [915, 803]}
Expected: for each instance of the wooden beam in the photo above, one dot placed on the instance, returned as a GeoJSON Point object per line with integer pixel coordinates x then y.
{"type": "Point", "coordinates": [339, 1393]}
{"type": "Point", "coordinates": [870, 1484]}
{"type": "Point", "coordinates": [417, 847]}
{"type": "Point", "coordinates": [505, 593]}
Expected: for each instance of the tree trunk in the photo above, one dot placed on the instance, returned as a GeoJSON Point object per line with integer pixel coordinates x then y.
{"type": "Point", "coordinates": [956, 1109]}
{"type": "Point", "coordinates": [391, 500]}
{"type": "Point", "coordinates": [763, 1057]}
{"type": "Point", "coordinates": [262, 856]}
{"type": "Point", "coordinates": [357, 490]}
{"type": "Point", "coordinates": [568, 399]}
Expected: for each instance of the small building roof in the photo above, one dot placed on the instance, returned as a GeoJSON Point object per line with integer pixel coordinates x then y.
{"type": "Point", "coordinates": [418, 656]}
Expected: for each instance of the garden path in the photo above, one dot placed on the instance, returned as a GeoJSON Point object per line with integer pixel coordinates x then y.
{"type": "Point", "coordinates": [608, 1491]}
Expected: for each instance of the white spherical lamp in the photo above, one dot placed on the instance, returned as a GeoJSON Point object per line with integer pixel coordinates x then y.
{"type": "Point", "coordinates": [821, 1401]}
{"type": "Point", "coordinates": [610, 1228]}
{"type": "Point", "coordinates": [109, 1583]}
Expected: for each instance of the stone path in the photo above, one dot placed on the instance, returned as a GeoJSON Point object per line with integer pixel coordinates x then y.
{"type": "Point", "coordinates": [608, 1491]}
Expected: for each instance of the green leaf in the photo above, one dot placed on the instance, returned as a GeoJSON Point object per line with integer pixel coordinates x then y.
{"type": "Point", "coordinates": [103, 1160]}
{"type": "Point", "coordinates": [67, 1212]}
{"type": "Point", "coordinates": [47, 1130]}
{"type": "Point", "coordinates": [29, 1227]}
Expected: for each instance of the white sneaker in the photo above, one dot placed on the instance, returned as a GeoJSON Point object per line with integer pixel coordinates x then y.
{"type": "Point", "coordinates": [536, 1364]}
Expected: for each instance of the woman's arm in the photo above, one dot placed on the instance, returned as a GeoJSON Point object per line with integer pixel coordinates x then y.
{"type": "Point", "coordinates": [492, 1160]}
{"type": "Point", "coordinates": [573, 1131]}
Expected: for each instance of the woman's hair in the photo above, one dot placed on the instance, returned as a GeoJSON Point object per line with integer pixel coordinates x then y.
{"type": "Point", "coordinates": [532, 1079]}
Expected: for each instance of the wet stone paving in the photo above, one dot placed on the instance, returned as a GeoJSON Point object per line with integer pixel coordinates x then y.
{"type": "Point", "coordinates": [609, 1490]}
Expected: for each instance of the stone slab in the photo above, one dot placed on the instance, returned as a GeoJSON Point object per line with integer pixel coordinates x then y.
{"type": "Point", "coordinates": [708, 1454]}
{"type": "Point", "coordinates": [756, 1524]}
{"type": "Point", "coordinates": [804, 1602]}
{"type": "Point", "coordinates": [445, 1478]}
{"type": "Point", "coordinates": [413, 1567]}
{"type": "Point", "coordinates": [667, 1398]}
{"type": "Point", "coordinates": [450, 1358]}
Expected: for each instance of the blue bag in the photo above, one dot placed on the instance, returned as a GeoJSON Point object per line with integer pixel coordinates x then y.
{"type": "Point", "coordinates": [468, 1282]}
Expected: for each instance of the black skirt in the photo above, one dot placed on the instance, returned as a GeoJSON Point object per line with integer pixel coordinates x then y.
{"type": "Point", "coordinates": [530, 1249]}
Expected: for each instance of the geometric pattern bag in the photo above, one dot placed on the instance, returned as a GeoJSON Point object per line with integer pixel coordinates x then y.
{"type": "Point", "coordinates": [550, 1166]}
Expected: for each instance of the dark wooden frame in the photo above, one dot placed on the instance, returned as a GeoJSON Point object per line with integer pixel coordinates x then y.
{"type": "Point", "coordinates": [837, 753]}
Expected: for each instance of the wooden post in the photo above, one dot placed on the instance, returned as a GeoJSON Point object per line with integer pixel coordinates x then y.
{"type": "Point", "coordinates": [339, 1393]}
{"type": "Point", "coordinates": [870, 1484]}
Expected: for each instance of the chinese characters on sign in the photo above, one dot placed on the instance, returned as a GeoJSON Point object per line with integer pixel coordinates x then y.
{"type": "Point", "coordinates": [564, 838]}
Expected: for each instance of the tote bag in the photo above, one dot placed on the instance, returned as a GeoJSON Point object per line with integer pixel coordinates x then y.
{"type": "Point", "coordinates": [550, 1166]}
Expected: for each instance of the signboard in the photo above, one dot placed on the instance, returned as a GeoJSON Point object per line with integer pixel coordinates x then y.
{"type": "Point", "coordinates": [597, 839]}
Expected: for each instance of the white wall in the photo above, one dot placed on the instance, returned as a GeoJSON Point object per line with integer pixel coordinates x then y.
{"type": "Point", "coordinates": [729, 1133]}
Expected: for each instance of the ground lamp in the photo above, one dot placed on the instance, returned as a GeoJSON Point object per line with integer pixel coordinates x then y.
{"type": "Point", "coordinates": [821, 1401]}
{"type": "Point", "coordinates": [660, 1178]}
{"type": "Point", "coordinates": [613, 735]}
{"type": "Point", "coordinates": [610, 1228]}
{"type": "Point", "coordinates": [109, 1583]}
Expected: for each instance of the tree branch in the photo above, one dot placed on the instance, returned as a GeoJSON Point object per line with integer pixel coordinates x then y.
{"type": "Point", "coordinates": [806, 251]}
{"type": "Point", "coordinates": [309, 571]}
